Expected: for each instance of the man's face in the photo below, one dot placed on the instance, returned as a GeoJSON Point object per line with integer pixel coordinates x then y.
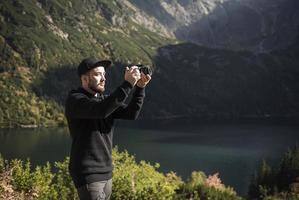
{"type": "Point", "coordinates": [96, 79]}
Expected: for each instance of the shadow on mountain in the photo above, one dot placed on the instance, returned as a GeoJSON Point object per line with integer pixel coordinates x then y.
{"type": "Point", "coordinates": [219, 84]}
{"type": "Point", "coordinates": [255, 25]}
{"type": "Point", "coordinates": [246, 25]}
{"type": "Point", "coordinates": [58, 81]}
{"type": "Point", "coordinates": [194, 82]}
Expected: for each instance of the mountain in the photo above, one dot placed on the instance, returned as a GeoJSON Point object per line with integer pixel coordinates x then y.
{"type": "Point", "coordinates": [42, 42]}
{"type": "Point", "coordinates": [253, 25]}
{"type": "Point", "coordinates": [222, 84]}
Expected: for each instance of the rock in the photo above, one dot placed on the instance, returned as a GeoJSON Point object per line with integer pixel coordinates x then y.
{"type": "Point", "coordinates": [254, 25]}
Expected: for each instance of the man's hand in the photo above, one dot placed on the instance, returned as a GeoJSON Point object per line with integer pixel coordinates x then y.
{"type": "Point", "coordinates": [132, 75]}
{"type": "Point", "coordinates": [144, 80]}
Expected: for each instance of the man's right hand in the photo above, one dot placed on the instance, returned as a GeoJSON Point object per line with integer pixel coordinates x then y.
{"type": "Point", "coordinates": [132, 75]}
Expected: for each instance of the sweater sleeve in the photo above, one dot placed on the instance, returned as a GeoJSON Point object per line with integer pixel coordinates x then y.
{"type": "Point", "coordinates": [78, 105]}
{"type": "Point", "coordinates": [132, 110]}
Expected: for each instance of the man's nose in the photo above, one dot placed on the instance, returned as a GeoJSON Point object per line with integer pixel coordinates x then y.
{"type": "Point", "coordinates": [103, 78]}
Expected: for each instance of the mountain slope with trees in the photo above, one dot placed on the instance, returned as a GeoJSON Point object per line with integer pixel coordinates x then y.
{"type": "Point", "coordinates": [42, 42]}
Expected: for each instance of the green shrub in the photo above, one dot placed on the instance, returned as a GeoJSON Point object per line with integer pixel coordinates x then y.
{"type": "Point", "coordinates": [22, 176]}
{"type": "Point", "coordinates": [64, 185]}
{"type": "Point", "coordinates": [283, 196]}
{"type": "Point", "coordinates": [36, 183]}
{"type": "Point", "coordinates": [2, 164]}
{"type": "Point", "coordinates": [131, 181]}
{"type": "Point", "coordinates": [43, 179]}
{"type": "Point", "coordinates": [281, 183]}
{"type": "Point", "coordinates": [201, 187]}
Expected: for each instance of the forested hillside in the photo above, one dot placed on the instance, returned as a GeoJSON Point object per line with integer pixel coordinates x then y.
{"type": "Point", "coordinates": [42, 42]}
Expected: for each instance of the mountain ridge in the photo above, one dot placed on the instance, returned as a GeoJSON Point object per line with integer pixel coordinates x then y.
{"type": "Point", "coordinates": [257, 26]}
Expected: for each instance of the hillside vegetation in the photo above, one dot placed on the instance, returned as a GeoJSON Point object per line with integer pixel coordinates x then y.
{"type": "Point", "coordinates": [45, 40]}
{"type": "Point", "coordinates": [42, 42]}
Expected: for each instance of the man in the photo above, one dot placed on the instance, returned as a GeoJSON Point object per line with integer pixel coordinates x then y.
{"type": "Point", "coordinates": [90, 115]}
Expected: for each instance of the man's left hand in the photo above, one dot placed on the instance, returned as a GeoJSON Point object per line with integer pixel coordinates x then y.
{"type": "Point", "coordinates": [144, 80]}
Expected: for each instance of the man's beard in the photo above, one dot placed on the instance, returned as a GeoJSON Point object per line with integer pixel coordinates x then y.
{"type": "Point", "coordinates": [94, 88]}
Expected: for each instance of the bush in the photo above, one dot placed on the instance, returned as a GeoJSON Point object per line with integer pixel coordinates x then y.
{"type": "Point", "coordinates": [201, 187]}
{"type": "Point", "coordinates": [131, 181]}
{"type": "Point", "coordinates": [281, 183]}
{"type": "Point", "coordinates": [283, 196]}
{"type": "Point", "coordinates": [2, 165]}
{"type": "Point", "coordinates": [141, 181]}
{"type": "Point", "coordinates": [19, 181]}
{"type": "Point", "coordinates": [64, 185]}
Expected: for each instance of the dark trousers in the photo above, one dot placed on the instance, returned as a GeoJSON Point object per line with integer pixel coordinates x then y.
{"type": "Point", "coordinates": [96, 191]}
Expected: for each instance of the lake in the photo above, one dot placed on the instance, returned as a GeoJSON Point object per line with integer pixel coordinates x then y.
{"type": "Point", "coordinates": [233, 150]}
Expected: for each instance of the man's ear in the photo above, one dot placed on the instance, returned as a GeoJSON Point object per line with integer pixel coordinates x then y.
{"type": "Point", "coordinates": [84, 78]}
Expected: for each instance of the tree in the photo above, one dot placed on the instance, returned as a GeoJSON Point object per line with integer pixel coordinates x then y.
{"type": "Point", "coordinates": [289, 168]}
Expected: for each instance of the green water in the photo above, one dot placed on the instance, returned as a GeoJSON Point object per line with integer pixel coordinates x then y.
{"type": "Point", "coordinates": [233, 150]}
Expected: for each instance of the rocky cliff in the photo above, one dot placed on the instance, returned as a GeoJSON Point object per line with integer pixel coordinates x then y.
{"type": "Point", "coordinates": [255, 25]}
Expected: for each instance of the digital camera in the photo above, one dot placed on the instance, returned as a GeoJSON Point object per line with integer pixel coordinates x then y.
{"type": "Point", "coordinates": [146, 69]}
